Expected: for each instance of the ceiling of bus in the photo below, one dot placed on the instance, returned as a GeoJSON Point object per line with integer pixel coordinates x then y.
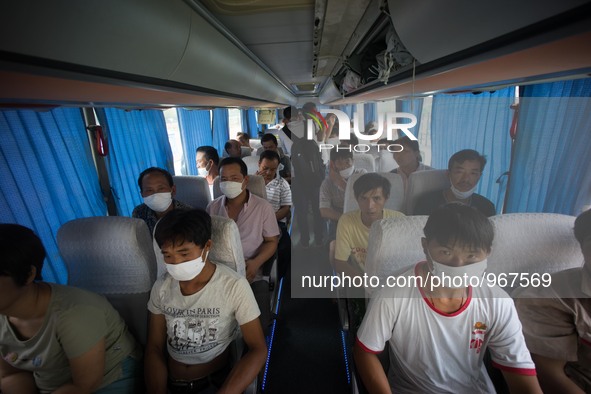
{"type": "Point", "coordinates": [265, 53]}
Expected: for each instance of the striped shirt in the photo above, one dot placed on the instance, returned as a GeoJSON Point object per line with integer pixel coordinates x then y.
{"type": "Point", "coordinates": [279, 194]}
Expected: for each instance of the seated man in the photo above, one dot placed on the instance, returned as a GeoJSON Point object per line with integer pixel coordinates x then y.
{"type": "Point", "coordinates": [207, 160]}
{"type": "Point", "coordinates": [408, 159]}
{"type": "Point", "coordinates": [269, 142]}
{"type": "Point", "coordinates": [233, 149]}
{"type": "Point", "coordinates": [371, 192]}
{"type": "Point", "coordinates": [195, 311]}
{"type": "Point", "coordinates": [259, 233]}
{"type": "Point", "coordinates": [158, 190]}
{"type": "Point", "coordinates": [464, 169]}
{"type": "Point", "coordinates": [332, 189]}
{"type": "Point", "coordinates": [279, 195]}
{"type": "Point", "coordinates": [437, 335]}
{"type": "Point", "coordinates": [244, 140]}
{"type": "Point", "coordinates": [57, 338]}
{"type": "Point", "coordinates": [557, 322]}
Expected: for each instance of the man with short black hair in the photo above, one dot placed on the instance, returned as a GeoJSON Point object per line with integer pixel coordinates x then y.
{"type": "Point", "coordinates": [437, 335]}
{"type": "Point", "coordinates": [259, 232]}
{"type": "Point", "coordinates": [409, 159]}
{"type": "Point", "coordinates": [269, 143]}
{"type": "Point", "coordinates": [464, 170]}
{"type": "Point", "coordinates": [233, 149]}
{"type": "Point", "coordinates": [158, 191]}
{"type": "Point", "coordinates": [207, 160]}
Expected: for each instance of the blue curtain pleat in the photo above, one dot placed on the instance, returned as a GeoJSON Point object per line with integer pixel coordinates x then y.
{"type": "Point", "coordinates": [248, 120]}
{"type": "Point", "coordinates": [137, 140]}
{"type": "Point", "coordinates": [551, 170]}
{"type": "Point", "coordinates": [47, 176]}
{"type": "Point", "coordinates": [480, 122]}
{"type": "Point", "coordinates": [369, 113]}
{"type": "Point", "coordinates": [195, 129]}
{"type": "Point", "coordinates": [221, 128]}
{"type": "Point", "coordinates": [415, 107]}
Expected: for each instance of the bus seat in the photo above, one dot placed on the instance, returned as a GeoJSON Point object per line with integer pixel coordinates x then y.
{"type": "Point", "coordinates": [422, 182]}
{"type": "Point", "coordinates": [252, 163]}
{"type": "Point", "coordinates": [112, 256]}
{"type": "Point", "coordinates": [245, 152]}
{"type": "Point", "coordinates": [395, 201]}
{"type": "Point", "coordinates": [226, 248]}
{"type": "Point", "coordinates": [394, 246]}
{"type": "Point", "coordinates": [365, 161]}
{"type": "Point", "coordinates": [385, 161]}
{"type": "Point", "coordinates": [192, 190]}
{"type": "Point", "coordinates": [256, 185]}
{"type": "Point", "coordinates": [533, 243]}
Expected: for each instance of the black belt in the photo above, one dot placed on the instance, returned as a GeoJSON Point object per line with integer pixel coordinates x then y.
{"type": "Point", "coordinates": [215, 379]}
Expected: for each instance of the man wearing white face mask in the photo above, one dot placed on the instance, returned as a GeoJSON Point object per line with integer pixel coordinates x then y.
{"type": "Point", "coordinates": [464, 170]}
{"type": "Point", "coordinates": [438, 334]}
{"type": "Point", "coordinates": [207, 160]}
{"type": "Point", "coordinates": [332, 189]}
{"type": "Point", "coordinates": [158, 190]}
{"type": "Point", "coordinates": [196, 309]}
{"type": "Point", "coordinates": [255, 217]}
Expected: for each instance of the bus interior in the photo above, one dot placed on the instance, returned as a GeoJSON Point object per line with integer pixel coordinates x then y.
{"type": "Point", "coordinates": [87, 90]}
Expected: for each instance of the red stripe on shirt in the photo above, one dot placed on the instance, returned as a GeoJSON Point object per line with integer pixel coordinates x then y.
{"type": "Point", "coordinates": [365, 348]}
{"type": "Point", "coordinates": [585, 342]}
{"type": "Point", "coordinates": [519, 371]}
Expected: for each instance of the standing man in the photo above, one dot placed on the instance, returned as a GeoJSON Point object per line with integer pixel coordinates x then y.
{"type": "Point", "coordinates": [207, 160]}
{"type": "Point", "coordinates": [158, 191]}
{"type": "Point", "coordinates": [279, 195]}
{"type": "Point", "coordinates": [464, 170]}
{"type": "Point", "coordinates": [259, 233]}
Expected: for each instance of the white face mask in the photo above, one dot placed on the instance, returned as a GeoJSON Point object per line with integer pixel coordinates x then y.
{"type": "Point", "coordinates": [203, 171]}
{"type": "Point", "coordinates": [462, 195]}
{"type": "Point", "coordinates": [475, 269]}
{"type": "Point", "coordinates": [187, 270]}
{"type": "Point", "coordinates": [231, 189]}
{"type": "Point", "coordinates": [347, 172]}
{"type": "Point", "coordinates": [159, 202]}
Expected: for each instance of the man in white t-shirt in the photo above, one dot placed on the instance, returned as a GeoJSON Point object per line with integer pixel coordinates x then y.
{"type": "Point", "coordinates": [196, 309]}
{"type": "Point", "coordinates": [437, 335]}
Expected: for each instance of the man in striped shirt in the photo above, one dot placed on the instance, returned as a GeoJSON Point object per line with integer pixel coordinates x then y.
{"type": "Point", "coordinates": [279, 195]}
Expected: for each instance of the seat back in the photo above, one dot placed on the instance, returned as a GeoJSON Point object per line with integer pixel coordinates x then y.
{"type": "Point", "coordinates": [112, 256]}
{"type": "Point", "coordinates": [421, 182]}
{"type": "Point", "coordinates": [226, 248]}
{"type": "Point", "coordinates": [385, 161]}
{"type": "Point", "coordinates": [365, 161]}
{"type": "Point", "coordinates": [394, 246]}
{"type": "Point", "coordinates": [395, 201]}
{"type": "Point", "coordinates": [252, 164]}
{"type": "Point", "coordinates": [256, 185]}
{"type": "Point", "coordinates": [192, 190]}
{"type": "Point", "coordinates": [533, 243]}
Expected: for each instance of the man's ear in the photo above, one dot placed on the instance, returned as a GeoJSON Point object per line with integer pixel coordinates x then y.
{"type": "Point", "coordinates": [245, 181]}
{"type": "Point", "coordinates": [32, 275]}
{"type": "Point", "coordinates": [173, 191]}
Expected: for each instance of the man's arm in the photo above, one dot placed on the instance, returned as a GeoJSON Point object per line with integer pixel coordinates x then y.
{"type": "Point", "coordinates": [266, 250]}
{"type": "Point", "coordinates": [247, 368]}
{"type": "Point", "coordinates": [552, 377]}
{"type": "Point", "coordinates": [282, 212]}
{"type": "Point", "coordinates": [522, 383]}
{"type": "Point", "coordinates": [16, 381]}
{"type": "Point", "coordinates": [371, 371]}
{"type": "Point", "coordinates": [87, 371]}
{"type": "Point", "coordinates": [155, 367]}
{"type": "Point", "coordinates": [329, 213]}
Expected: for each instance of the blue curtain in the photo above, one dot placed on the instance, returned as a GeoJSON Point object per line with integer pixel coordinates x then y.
{"type": "Point", "coordinates": [137, 140]}
{"type": "Point", "coordinates": [349, 109]}
{"type": "Point", "coordinates": [221, 129]}
{"type": "Point", "coordinates": [369, 113]}
{"type": "Point", "coordinates": [415, 107]}
{"type": "Point", "coordinates": [47, 176]}
{"type": "Point", "coordinates": [248, 119]}
{"type": "Point", "coordinates": [551, 171]}
{"type": "Point", "coordinates": [480, 122]}
{"type": "Point", "coordinates": [195, 128]}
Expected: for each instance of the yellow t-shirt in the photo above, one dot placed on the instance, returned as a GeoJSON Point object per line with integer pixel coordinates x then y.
{"type": "Point", "coordinates": [353, 237]}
